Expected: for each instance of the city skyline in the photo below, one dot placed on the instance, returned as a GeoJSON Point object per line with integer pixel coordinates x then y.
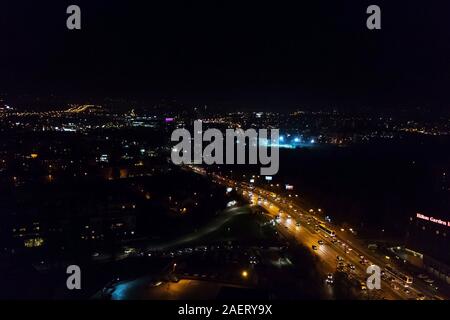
{"type": "Point", "coordinates": [275, 153]}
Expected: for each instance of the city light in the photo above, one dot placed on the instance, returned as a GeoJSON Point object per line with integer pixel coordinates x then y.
{"type": "Point", "coordinates": [172, 163]}
{"type": "Point", "coordinates": [231, 203]}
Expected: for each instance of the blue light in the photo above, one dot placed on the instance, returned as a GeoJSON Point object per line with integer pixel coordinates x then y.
{"type": "Point", "coordinates": [296, 140]}
{"type": "Point", "coordinates": [312, 141]}
{"type": "Point", "coordinates": [281, 138]}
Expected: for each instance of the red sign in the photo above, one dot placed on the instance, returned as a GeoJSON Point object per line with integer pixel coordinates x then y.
{"type": "Point", "coordinates": [434, 220]}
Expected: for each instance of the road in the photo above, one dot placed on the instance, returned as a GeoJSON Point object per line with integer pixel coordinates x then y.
{"type": "Point", "coordinates": [298, 223]}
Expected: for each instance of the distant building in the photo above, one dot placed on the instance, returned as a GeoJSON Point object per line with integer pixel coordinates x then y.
{"type": "Point", "coordinates": [430, 236]}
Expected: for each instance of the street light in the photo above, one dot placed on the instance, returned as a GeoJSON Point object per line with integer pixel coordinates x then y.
{"type": "Point", "coordinates": [244, 274]}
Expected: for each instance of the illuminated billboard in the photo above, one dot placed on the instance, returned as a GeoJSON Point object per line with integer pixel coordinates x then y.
{"type": "Point", "coordinates": [434, 220]}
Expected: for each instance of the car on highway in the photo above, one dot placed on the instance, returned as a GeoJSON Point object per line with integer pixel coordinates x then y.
{"type": "Point", "coordinates": [314, 247]}
{"type": "Point", "coordinates": [434, 287]}
{"type": "Point", "coordinates": [395, 286]}
{"type": "Point", "coordinates": [363, 285]}
{"type": "Point", "coordinates": [253, 260]}
{"type": "Point", "coordinates": [201, 248]}
{"type": "Point", "coordinates": [320, 242]}
{"type": "Point", "coordinates": [154, 283]}
{"type": "Point", "coordinates": [339, 258]}
{"type": "Point", "coordinates": [329, 279]}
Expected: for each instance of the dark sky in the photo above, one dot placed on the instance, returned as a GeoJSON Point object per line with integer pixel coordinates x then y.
{"type": "Point", "coordinates": [268, 52]}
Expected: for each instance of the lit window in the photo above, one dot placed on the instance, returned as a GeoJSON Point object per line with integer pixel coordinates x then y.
{"type": "Point", "coordinates": [35, 242]}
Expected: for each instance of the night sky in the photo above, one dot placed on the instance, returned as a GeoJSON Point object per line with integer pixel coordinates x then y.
{"type": "Point", "coordinates": [269, 53]}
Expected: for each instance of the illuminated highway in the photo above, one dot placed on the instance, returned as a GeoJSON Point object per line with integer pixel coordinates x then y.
{"type": "Point", "coordinates": [327, 252]}
{"type": "Point", "coordinates": [294, 222]}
